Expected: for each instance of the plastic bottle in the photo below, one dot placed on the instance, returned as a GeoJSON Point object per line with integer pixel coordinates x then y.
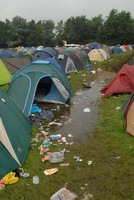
{"type": "Point", "coordinates": [55, 137]}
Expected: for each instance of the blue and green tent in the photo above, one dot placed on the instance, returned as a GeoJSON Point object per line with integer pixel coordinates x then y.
{"type": "Point", "coordinates": [39, 81]}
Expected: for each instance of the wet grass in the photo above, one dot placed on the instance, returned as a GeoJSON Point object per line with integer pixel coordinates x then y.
{"type": "Point", "coordinates": [109, 147]}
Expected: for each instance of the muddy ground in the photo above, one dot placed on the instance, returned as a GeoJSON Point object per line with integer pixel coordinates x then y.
{"type": "Point", "coordinates": [75, 121]}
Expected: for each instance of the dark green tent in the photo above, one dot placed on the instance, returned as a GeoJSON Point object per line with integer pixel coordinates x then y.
{"type": "Point", "coordinates": [15, 135]}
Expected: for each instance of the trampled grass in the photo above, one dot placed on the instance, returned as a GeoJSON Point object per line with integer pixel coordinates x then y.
{"type": "Point", "coordinates": [111, 150]}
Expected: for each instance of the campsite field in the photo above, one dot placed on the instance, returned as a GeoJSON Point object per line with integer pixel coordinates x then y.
{"type": "Point", "coordinates": [110, 149]}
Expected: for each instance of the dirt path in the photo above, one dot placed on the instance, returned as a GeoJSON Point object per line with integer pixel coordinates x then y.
{"type": "Point", "coordinates": [77, 122]}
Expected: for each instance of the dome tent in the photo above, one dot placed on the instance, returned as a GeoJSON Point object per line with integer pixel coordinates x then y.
{"type": "Point", "coordinates": [39, 77]}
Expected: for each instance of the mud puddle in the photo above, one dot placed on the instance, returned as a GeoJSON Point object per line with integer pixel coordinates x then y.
{"type": "Point", "coordinates": [74, 119]}
{"type": "Point", "coordinates": [77, 122]}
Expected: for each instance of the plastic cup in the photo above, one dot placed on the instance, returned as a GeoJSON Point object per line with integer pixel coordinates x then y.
{"type": "Point", "coordinates": [36, 179]}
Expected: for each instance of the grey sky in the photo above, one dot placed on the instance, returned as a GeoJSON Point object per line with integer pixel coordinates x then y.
{"type": "Point", "coordinates": [61, 9]}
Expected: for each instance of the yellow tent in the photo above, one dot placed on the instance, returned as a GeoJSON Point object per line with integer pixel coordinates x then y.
{"type": "Point", "coordinates": [96, 55]}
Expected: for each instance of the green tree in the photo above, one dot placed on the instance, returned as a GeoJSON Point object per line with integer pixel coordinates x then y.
{"type": "Point", "coordinates": [35, 33]}
{"type": "Point", "coordinates": [4, 33]}
{"type": "Point", "coordinates": [118, 28]}
{"type": "Point", "coordinates": [76, 30]}
{"type": "Point", "coordinates": [96, 26]}
{"type": "Point", "coordinates": [18, 32]}
{"type": "Point", "coordinates": [59, 29]}
{"type": "Point", "coordinates": [48, 32]}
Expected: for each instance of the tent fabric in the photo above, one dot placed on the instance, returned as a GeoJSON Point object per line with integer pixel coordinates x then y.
{"type": "Point", "coordinates": [41, 55]}
{"type": "Point", "coordinates": [75, 59]}
{"type": "Point", "coordinates": [52, 51]}
{"type": "Point", "coordinates": [55, 62]}
{"type": "Point", "coordinates": [127, 103]}
{"type": "Point", "coordinates": [122, 48]}
{"type": "Point", "coordinates": [20, 54]}
{"type": "Point", "coordinates": [123, 82]}
{"type": "Point", "coordinates": [44, 53]}
{"type": "Point", "coordinates": [67, 63]}
{"type": "Point", "coordinates": [96, 55]}
{"type": "Point", "coordinates": [5, 75]}
{"type": "Point", "coordinates": [102, 51]}
{"type": "Point", "coordinates": [91, 46]}
{"type": "Point", "coordinates": [107, 51]}
{"type": "Point", "coordinates": [83, 57]}
{"type": "Point", "coordinates": [15, 135]}
{"type": "Point", "coordinates": [130, 120]}
{"type": "Point", "coordinates": [126, 47]}
{"type": "Point", "coordinates": [60, 96]}
{"type": "Point", "coordinates": [34, 77]}
{"type": "Point", "coordinates": [14, 64]}
{"type": "Point", "coordinates": [6, 54]}
{"type": "Point", "coordinates": [116, 49]}
{"type": "Point", "coordinates": [128, 113]}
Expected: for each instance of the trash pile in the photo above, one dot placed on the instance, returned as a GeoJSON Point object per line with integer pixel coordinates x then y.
{"type": "Point", "coordinates": [54, 157]}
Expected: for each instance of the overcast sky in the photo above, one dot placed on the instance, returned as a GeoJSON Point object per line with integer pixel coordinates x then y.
{"type": "Point", "coordinates": [61, 9]}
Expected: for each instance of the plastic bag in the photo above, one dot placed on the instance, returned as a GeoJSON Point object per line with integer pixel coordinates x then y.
{"type": "Point", "coordinates": [10, 178]}
{"type": "Point", "coordinates": [63, 194]}
{"type": "Point", "coordinates": [55, 157]}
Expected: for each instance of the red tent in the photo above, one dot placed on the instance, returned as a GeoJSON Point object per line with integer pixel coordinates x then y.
{"type": "Point", "coordinates": [126, 47]}
{"type": "Point", "coordinates": [123, 82]}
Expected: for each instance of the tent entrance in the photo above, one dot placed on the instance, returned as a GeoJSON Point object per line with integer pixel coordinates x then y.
{"type": "Point", "coordinates": [51, 90]}
{"type": "Point", "coordinates": [43, 87]}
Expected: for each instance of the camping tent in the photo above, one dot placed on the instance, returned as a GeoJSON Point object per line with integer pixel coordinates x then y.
{"type": "Point", "coordinates": [96, 55]}
{"type": "Point", "coordinates": [67, 63]}
{"type": "Point", "coordinates": [128, 112]}
{"type": "Point", "coordinates": [107, 51]}
{"type": "Point", "coordinates": [14, 64]}
{"type": "Point", "coordinates": [57, 64]}
{"type": "Point", "coordinates": [40, 80]}
{"type": "Point", "coordinates": [41, 55]}
{"type": "Point", "coordinates": [15, 135]}
{"type": "Point", "coordinates": [6, 54]}
{"type": "Point", "coordinates": [116, 49]}
{"type": "Point", "coordinates": [5, 76]}
{"type": "Point", "coordinates": [123, 82]}
{"type": "Point", "coordinates": [76, 59]}
{"type": "Point", "coordinates": [93, 45]}
{"type": "Point", "coordinates": [52, 51]}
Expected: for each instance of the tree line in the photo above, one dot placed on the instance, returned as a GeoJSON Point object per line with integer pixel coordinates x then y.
{"type": "Point", "coordinates": [117, 28]}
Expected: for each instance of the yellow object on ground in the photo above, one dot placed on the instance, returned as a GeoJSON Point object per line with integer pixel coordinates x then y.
{"type": "Point", "coordinates": [10, 178]}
